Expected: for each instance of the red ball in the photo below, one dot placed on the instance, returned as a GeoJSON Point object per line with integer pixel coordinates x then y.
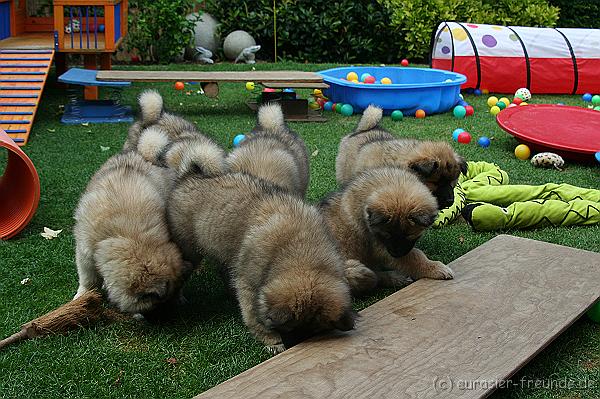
{"type": "Point", "coordinates": [179, 86]}
{"type": "Point", "coordinates": [517, 100]}
{"type": "Point", "coordinates": [420, 114]}
{"type": "Point", "coordinates": [404, 62]}
{"type": "Point", "coordinates": [370, 79]}
{"type": "Point", "coordinates": [470, 110]}
{"type": "Point", "coordinates": [464, 138]}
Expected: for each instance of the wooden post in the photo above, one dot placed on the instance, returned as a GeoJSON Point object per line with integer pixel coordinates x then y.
{"type": "Point", "coordinates": [124, 14]}
{"type": "Point", "coordinates": [89, 62]}
{"type": "Point", "coordinates": [105, 61]}
{"type": "Point", "coordinates": [59, 25]}
{"type": "Point", "coordinates": [109, 27]}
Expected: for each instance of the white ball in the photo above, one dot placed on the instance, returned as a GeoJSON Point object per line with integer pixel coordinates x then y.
{"type": "Point", "coordinates": [235, 42]}
{"type": "Point", "coordinates": [523, 93]}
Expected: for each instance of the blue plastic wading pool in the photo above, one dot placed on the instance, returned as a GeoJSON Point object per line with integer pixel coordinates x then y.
{"type": "Point", "coordinates": [432, 90]}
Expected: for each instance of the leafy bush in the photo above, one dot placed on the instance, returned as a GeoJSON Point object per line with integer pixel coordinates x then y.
{"type": "Point", "coordinates": [578, 13]}
{"type": "Point", "coordinates": [159, 30]}
{"type": "Point", "coordinates": [416, 19]}
{"type": "Point", "coordinates": [323, 31]}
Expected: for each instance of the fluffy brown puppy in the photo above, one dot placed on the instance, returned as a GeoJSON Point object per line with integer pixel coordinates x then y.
{"type": "Point", "coordinates": [377, 218]}
{"type": "Point", "coordinates": [273, 152]}
{"type": "Point", "coordinates": [122, 237]}
{"type": "Point", "coordinates": [283, 263]}
{"type": "Point", "coordinates": [371, 146]}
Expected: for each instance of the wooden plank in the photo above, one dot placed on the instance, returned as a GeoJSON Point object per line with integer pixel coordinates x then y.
{"type": "Point", "coordinates": [510, 298]}
{"type": "Point", "coordinates": [195, 76]}
{"type": "Point", "coordinates": [295, 85]}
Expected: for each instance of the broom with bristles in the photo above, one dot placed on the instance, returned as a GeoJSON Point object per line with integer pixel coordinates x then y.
{"type": "Point", "coordinates": [83, 311]}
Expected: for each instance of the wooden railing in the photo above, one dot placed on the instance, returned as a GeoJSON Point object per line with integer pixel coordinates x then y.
{"type": "Point", "coordinates": [89, 25]}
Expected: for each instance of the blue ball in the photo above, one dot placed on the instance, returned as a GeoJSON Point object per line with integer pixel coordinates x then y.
{"type": "Point", "coordinates": [327, 106]}
{"type": "Point", "coordinates": [463, 103]}
{"type": "Point", "coordinates": [364, 76]}
{"type": "Point", "coordinates": [288, 90]}
{"type": "Point", "coordinates": [587, 97]}
{"type": "Point", "coordinates": [597, 155]}
{"type": "Point", "coordinates": [456, 133]}
{"type": "Point", "coordinates": [477, 92]}
{"type": "Point", "coordinates": [484, 142]}
{"type": "Point", "coordinates": [237, 140]}
{"type": "Point", "coordinates": [101, 28]}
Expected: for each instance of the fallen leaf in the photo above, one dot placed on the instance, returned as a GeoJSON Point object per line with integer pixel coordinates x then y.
{"type": "Point", "coordinates": [171, 360]}
{"type": "Point", "coordinates": [49, 234]}
{"type": "Point", "coordinates": [103, 148]}
{"type": "Point", "coordinates": [461, 239]}
{"type": "Point", "coordinates": [51, 130]}
{"type": "Point", "coordinates": [315, 153]}
{"type": "Point", "coordinates": [118, 380]}
{"type": "Point", "coordinates": [25, 281]}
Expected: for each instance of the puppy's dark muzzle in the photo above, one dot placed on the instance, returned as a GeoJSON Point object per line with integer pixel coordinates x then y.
{"type": "Point", "coordinates": [399, 248]}
{"type": "Point", "coordinates": [293, 338]}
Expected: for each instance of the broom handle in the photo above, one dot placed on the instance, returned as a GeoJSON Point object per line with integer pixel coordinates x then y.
{"type": "Point", "coordinates": [16, 337]}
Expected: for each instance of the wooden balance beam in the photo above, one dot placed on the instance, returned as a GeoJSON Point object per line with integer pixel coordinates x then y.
{"type": "Point", "coordinates": [296, 110]}
{"type": "Point", "coordinates": [462, 338]}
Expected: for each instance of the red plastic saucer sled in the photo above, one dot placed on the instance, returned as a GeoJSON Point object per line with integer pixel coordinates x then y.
{"type": "Point", "coordinates": [572, 132]}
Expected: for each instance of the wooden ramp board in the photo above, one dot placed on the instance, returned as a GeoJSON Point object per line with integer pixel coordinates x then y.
{"type": "Point", "coordinates": [194, 76]}
{"type": "Point", "coordinates": [23, 75]}
{"type": "Point", "coordinates": [440, 339]}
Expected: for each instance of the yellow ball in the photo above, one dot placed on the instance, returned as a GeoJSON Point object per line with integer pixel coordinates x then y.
{"type": "Point", "coordinates": [354, 80]}
{"type": "Point", "coordinates": [522, 152]}
{"type": "Point", "coordinates": [485, 91]}
{"type": "Point", "coordinates": [317, 92]}
{"type": "Point", "coordinates": [505, 101]}
{"type": "Point", "coordinates": [495, 110]}
{"type": "Point", "coordinates": [352, 76]}
{"type": "Point", "coordinates": [386, 81]}
{"type": "Point", "coordinates": [492, 101]}
{"type": "Point", "coordinates": [523, 103]}
{"type": "Point", "coordinates": [249, 86]}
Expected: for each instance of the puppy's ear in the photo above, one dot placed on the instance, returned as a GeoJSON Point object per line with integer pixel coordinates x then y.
{"type": "Point", "coordinates": [462, 164]}
{"type": "Point", "coordinates": [346, 322]}
{"type": "Point", "coordinates": [375, 218]}
{"type": "Point", "coordinates": [422, 218]}
{"type": "Point", "coordinates": [425, 167]}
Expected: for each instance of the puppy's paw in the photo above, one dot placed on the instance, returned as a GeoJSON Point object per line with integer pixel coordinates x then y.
{"type": "Point", "coordinates": [275, 348]}
{"type": "Point", "coordinates": [138, 317]}
{"type": "Point", "coordinates": [360, 278]}
{"type": "Point", "coordinates": [438, 271]}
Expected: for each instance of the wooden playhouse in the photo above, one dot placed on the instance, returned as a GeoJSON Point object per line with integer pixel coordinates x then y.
{"type": "Point", "coordinates": [34, 32]}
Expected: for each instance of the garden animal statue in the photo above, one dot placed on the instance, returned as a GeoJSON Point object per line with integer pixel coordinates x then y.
{"type": "Point", "coordinates": [203, 55]}
{"type": "Point", "coordinates": [248, 55]}
{"type": "Point", "coordinates": [73, 27]}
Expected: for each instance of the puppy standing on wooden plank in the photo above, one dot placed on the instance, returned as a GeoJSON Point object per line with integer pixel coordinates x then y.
{"type": "Point", "coordinates": [377, 218]}
{"type": "Point", "coordinates": [273, 152]}
{"type": "Point", "coordinates": [284, 265]}
{"type": "Point", "coordinates": [371, 146]}
{"type": "Point", "coordinates": [122, 239]}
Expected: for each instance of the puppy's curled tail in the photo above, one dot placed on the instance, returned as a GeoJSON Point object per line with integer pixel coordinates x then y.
{"type": "Point", "coordinates": [370, 119]}
{"type": "Point", "coordinates": [151, 105]}
{"type": "Point", "coordinates": [152, 144]}
{"type": "Point", "coordinates": [270, 117]}
{"type": "Point", "coordinates": [197, 155]}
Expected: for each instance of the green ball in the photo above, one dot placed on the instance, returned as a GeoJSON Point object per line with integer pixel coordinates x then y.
{"type": "Point", "coordinates": [597, 108]}
{"type": "Point", "coordinates": [594, 312]}
{"type": "Point", "coordinates": [596, 100]}
{"type": "Point", "coordinates": [397, 115]}
{"type": "Point", "coordinates": [501, 105]}
{"type": "Point", "coordinates": [347, 110]}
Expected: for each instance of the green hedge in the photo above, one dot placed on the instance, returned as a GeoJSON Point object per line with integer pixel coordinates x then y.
{"type": "Point", "coordinates": [578, 13]}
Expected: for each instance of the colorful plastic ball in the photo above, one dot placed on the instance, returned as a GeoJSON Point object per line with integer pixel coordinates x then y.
{"type": "Point", "coordinates": [464, 138]}
{"type": "Point", "coordinates": [456, 132]}
{"type": "Point", "coordinates": [288, 90]}
{"type": "Point", "coordinates": [237, 140]}
{"type": "Point", "coordinates": [523, 103]}
{"type": "Point", "coordinates": [495, 110]}
{"type": "Point", "coordinates": [522, 152]}
{"type": "Point", "coordinates": [511, 105]}
{"type": "Point", "coordinates": [517, 100]}
{"type": "Point", "coordinates": [397, 115]}
{"type": "Point", "coordinates": [501, 105]}
{"type": "Point", "coordinates": [470, 110]}
{"type": "Point", "coordinates": [338, 108]}
{"type": "Point", "coordinates": [594, 312]}
{"type": "Point", "coordinates": [420, 114]}
{"type": "Point", "coordinates": [317, 93]}
{"type": "Point", "coordinates": [587, 97]}
{"type": "Point", "coordinates": [477, 92]}
{"type": "Point", "coordinates": [404, 62]}
{"type": "Point", "coordinates": [364, 76]}
{"type": "Point", "coordinates": [596, 100]}
{"type": "Point", "coordinates": [386, 81]}
{"type": "Point", "coordinates": [347, 110]}
{"type": "Point", "coordinates": [333, 106]}
{"type": "Point", "coordinates": [250, 86]}
{"type": "Point", "coordinates": [269, 90]}
{"type": "Point", "coordinates": [352, 76]}
{"type": "Point", "coordinates": [101, 28]}
{"type": "Point", "coordinates": [597, 108]}
{"type": "Point", "coordinates": [597, 155]}
{"type": "Point", "coordinates": [484, 142]}
{"type": "Point", "coordinates": [560, 103]}
{"type": "Point", "coordinates": [505, 101]}
{"type": "Point", "coordinates": [492, 101]}
{"type": "Point", "coordinates": [459, 112]}
{"type": "Point", "coordinates": [523, 93]}
{"type": "Point", "coordinates": [370, 79]}
{"type": "Point", "coordinates": [485, 91]}
{"type": "Point", "coordinates": [354, 81]}
{"type": "Point", "coordinates": [327, 106]}
{"type": "Point", "coordinates": [463, 103]}
{"type": "Point", "coordinates": [179, 86]}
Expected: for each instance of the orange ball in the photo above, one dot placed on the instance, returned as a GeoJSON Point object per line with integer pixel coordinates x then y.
{"type": "Point", "coordinates": [179, 86]}
{"type": "Point", "coordinates": [420, 114]}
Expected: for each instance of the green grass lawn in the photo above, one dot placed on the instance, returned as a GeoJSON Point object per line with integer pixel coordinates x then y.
{"type": "Point", "coordinates": [207, 338]}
